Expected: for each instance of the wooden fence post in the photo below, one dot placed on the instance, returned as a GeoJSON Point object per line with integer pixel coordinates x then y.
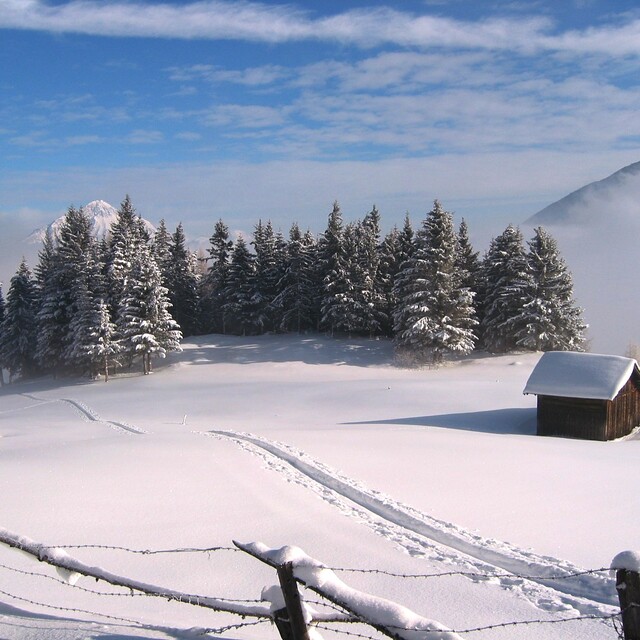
{"type": "Point", "coordinates": [628, 587]}
{"type": "Point", "coordinates": [294, 626]}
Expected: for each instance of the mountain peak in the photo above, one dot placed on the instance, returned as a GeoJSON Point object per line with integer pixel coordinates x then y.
{"type": "Point", "coordinates": [101, 216]}
{"type": "Point", "coordinates": [618, 190]}
{"type": "Point", "coordinates": [99, 209]}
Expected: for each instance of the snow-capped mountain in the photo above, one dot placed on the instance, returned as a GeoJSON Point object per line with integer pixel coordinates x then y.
{"type": "Point", "coordinates": [101, 214]}
{"type": "Point", "coordinates": [617, 195]}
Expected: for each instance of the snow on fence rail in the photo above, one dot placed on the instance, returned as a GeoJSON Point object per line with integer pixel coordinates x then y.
{"type": "Point", "coordinates": [294, 616]}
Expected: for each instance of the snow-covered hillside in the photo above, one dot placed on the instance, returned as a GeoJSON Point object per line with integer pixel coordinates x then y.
{"type": "Point", "coordinates": [101, 215]}
{"type": "Point", "coordinates": [597, 228]}
{"type": "Point", "coordinates": [317, 443]}
{"type": "Point", "coordinates": [610, 198]}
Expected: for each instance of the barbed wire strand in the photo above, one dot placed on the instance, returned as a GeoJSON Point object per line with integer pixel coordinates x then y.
{"type": "Point", "coordinates": [70, 609]}
{"type": "Point", "coordinates": [472, 574]}
{"type": "Point", "coordinates": [328, 604]}
{"type": "Point", "coordinates": [36, 574]}
{"type": "Point", "coordinates": [144, 552]}
{"type": "Point", "coordinates": [131, 593]}
{"type": "Point", "coordinates": [611, 617]}
{"type": "Point", "coordinates": [239, 625]}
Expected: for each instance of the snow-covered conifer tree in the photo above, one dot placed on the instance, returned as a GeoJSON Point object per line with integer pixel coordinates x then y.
{"type": "Point", "coordinates": [550, 319]}
{"type": "Point", "coordinates": [145, 325]}
{"type": "Point", "coordinates": [297, 293]}
{"type": "Point", "coordinates": [183, 284]}
{"type": "Point", "coordinates": [19, 328]}
{"type": "Point", "coordinates": [161, 249]}
{"type": "Point", "coordinates": [332, 270]}
{"type": "Point", "coordinates": [506, 279]}
{"type": "Point", "coordinates": [215, 281]}
{"type": "Point", "coordinates": [435, 313]}
{"type": "Point", "coordinates": [269, 255]}
{"type": "Point", "coordinates": [407, 242]}
{"type": "Point", "coordinates": [467, 261]}
{"type": "Point", "coordinates": [358, 301]}
{"type": "Point", "coordinates": [129, 239]}
{"type": "Point", "coordinates": [387, 272]}
{"type": "Point", "coordinates": [62, 274]}
{"type": "Point", "coordinates": [240, 306]}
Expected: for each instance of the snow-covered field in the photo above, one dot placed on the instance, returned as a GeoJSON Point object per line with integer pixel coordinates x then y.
{"type": "Point", "coordinates": [318, 443]}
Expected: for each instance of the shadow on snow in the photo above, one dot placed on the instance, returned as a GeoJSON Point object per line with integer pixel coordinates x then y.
{"type": "Point", "coordinates": [499, 421]}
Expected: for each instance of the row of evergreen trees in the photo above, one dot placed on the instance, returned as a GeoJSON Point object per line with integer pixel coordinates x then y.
{"type": "Point", "coordinates": [91, 304]}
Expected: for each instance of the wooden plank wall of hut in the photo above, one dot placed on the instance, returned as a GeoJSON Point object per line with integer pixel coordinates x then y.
{"type": "Point", "coordinates": [572, 418]}
{"type": "Point", "coordinates": [623, 414]}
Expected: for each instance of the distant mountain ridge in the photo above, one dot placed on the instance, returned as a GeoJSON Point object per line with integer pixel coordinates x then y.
{"type": "Point", "coordinates": [101, 215]}
{"type": "Point", "coordinates": [621, 190]}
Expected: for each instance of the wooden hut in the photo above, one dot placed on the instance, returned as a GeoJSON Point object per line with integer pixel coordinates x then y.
{"type": "Point", "coordinates": [586, 395]}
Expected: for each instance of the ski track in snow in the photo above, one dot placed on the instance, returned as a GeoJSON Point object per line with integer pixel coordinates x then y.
{"type": "Point", "coordinates": [87, 414]}
{"type": "Point", "coordinates": [421, 535]}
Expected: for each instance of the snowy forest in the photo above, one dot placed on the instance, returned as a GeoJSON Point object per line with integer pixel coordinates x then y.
{"type": "Point", "coordinates": [92, 305]}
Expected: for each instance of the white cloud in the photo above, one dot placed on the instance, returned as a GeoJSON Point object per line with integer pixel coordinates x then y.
{"type": "Point", "coordinates": [144, 136]}
{"type": "Point", "coordinates": [253, 21]}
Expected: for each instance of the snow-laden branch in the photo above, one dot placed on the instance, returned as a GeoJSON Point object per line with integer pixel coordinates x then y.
{"type": "Point", "coordinates": [392, 619]}
{"type": "Point", "coordinates": [71, 569]}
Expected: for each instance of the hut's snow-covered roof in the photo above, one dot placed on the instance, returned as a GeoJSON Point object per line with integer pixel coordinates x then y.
{"type": "Point", "coordinates": [568, 374]}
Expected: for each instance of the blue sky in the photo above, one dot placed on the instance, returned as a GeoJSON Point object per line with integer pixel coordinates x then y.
{"type": "Point", "coordinates": [241, 110]}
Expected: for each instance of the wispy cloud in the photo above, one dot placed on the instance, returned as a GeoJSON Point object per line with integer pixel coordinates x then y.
{"type": "Point", "coordinates": [144, 136]}
{"type": "Point", "coordinates": [422, 103]}
{"type": "Point", "coordinates": [259, 22]}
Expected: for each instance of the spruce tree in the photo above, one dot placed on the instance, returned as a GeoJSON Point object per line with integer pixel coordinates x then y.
{"type": "Point", "coordinates": [161, 249]}
{"type": "Point", "coordinates": [506, 279]}
{"type": "Point", "coordinates": [268, 265]}
{"type": "Point", "coordinates": [387, 272]}
{"type": "Point", "coordinates": [145, 325]}
{"type": "Point", "coordinates": [63, 274]}
{"type": "Point", "coordinates": [332, 271]}
{"type": "Point", "coordinates": [104, 346]}
{"type": "Point", "coordinates": [374, 286]}
{"type": "Point", "coordinates": [182, 282]}
{"type": "Point", "coordinates": [239, 295]}
{"type": "Point", "coordinates": [550, 319]}
{"type": "Point", "coordinates": [468, 261]}
{"type": "Point", "coordinates": [435, 313]}
{"type": "Point", "coordinates": [358, 301]}
{"type": "Point", "coordinates": [128, 239]}
{"type": "Point", "coordinates": [407, 241]}
{"type": "Point", "coordinates": [214, 284]}
{"type": "Point", "coordinates": [19, 329]}
{"type": "Point", "coordinates": [295, 301]}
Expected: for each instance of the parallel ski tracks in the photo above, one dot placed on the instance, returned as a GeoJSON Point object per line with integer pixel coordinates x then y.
{"type": "Point", "coordinates": [553, 588]}
{"type": "Point", "coordinates": [88, 414]}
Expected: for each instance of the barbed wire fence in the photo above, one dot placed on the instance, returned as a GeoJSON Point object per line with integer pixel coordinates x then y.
{"type": "Point", "coordinates": [327, 614]}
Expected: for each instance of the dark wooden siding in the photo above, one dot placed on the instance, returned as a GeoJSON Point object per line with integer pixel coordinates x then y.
{"type": "Point", "coordinates": [572, 417]}
{"type": "Point", "coordinates": [591, 419]}
{"type": "Point", "coordinates": [623, 414]}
